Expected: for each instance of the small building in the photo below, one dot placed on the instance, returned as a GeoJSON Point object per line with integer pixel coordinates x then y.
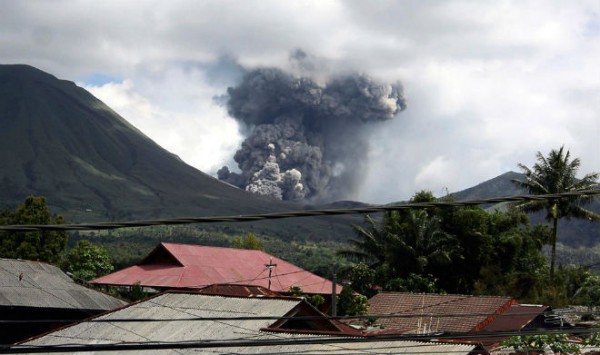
{"type": "Point", "coordinates": [183, 266]}
{"type": "Point", "coordinates": [188, 322]}
{"type": "Point", "coordinates": [421, 313]}
{"type": "Point", "coordinates": [36, 297]}
{"type": "Point", "coordinates": [520, 317]}
{"type": "Point", "coordinates": [459, 317]}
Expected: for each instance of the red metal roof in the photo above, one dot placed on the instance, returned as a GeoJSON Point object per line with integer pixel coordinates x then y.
{"type": "Point", "coordinates": [193, 266]}
{"type": "Point", "coordinates": [436, 312]}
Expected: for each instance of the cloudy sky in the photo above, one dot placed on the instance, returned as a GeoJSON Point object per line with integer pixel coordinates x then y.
{"type": "Point", "coordinates": [487, 83]}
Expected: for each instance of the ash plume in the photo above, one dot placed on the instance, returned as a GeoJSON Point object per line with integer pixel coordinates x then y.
{"type": "Point", "coordinates": [306, 140]}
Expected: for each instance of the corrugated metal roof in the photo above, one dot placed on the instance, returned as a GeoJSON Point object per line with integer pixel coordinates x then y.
{"type": "Point", "coordinates": [473, 312]}
{"type": "Point", "coordinates": [174, 306]}
{"type": "Point", "coordinates": [515, 318]}
{"type": "Point", "coordinates": [26, 283]}
{"type": "Point", "coordinates": [204, 266]}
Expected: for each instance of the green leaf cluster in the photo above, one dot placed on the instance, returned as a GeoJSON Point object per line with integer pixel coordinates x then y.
{"type": "Point", "coordinates": [315, 300]}
{"type": "Point", "coordinates": [539, 344]}
{"type": "Point", "coordinates": [87, 261]}
{"type": "Point", "coordinates": [352, 304]}
{"type": "Point", "coordinates": [45, 246]}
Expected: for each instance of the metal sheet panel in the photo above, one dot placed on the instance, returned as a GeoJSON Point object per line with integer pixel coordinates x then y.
{"type": "Point", "coordinates": [204, 266]}
{"type": "Point", "coordinates": [176, 306]}
{"type": "Point", "coordinates": [26, 283]}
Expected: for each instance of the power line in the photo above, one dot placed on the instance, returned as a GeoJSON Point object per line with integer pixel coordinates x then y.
{"type": "Point", "coordinates": [204, 344]}
{"type": "Point", "coordinates": [293, 214]}
{"type": "Point", "coordinates": [308, 318]}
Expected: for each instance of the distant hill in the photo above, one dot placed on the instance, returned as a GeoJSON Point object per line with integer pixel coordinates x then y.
{"type": "Point", "coordinates": [572, 232]}
{"type": "Point", "coordinates": [59, 141]}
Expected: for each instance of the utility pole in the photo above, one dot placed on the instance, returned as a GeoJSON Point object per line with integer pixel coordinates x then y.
{"type": "Point", "coordinates": [270, 266]}
{"type": "Point", "coordinates": [334, 295]}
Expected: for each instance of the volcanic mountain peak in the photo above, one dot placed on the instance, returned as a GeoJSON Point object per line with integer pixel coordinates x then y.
{"type": "Point", "coordinates": [59, 141]}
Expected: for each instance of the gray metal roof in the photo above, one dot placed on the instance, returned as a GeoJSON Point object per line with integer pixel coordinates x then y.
{"type": "Point", "coordinates": [26, 283]}
{"type": "Point", "coordinates": [174, 306]}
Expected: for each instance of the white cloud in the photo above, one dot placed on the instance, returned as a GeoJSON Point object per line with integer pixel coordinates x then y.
{"type": "Point", "coordinates": [189, 124]}
{"type": "Point", "coordinates": [489, 83]}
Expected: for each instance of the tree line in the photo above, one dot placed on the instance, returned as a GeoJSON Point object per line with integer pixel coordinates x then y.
{"type": "Point", "coordinates": [472, 251]}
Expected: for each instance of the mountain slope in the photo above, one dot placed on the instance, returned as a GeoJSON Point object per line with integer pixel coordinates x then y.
{"type": "Point", "coordinates": [59, 141]}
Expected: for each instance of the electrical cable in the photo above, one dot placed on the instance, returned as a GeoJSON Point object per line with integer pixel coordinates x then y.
{"type": "Point", "coordinates": [293, 214]}
{"type": "Point", "coordinates": [127, 346]}
{"type": "Point", "coordinates": [307, 318]}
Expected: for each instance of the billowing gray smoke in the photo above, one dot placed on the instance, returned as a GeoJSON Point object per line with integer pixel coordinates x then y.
{"type": "Point", "coordinates": [306, 140]}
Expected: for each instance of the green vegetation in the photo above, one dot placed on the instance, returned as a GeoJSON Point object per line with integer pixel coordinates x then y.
{"type": "Point", "coordinates": [87, 261]}
{"type": "Point", "coordinates": [460, 250]}
{"type": "Point", "coordinates": [553, 174]}
{"type": "Point", "coordinates": [539, 344]}
{"type": "Point", "coordinates": [351, 304]}
{"type": "Point", "coordinates": [33, 245]}
{"type": "Point", "coordinates": [315, 300]}
{"type": "Point", "coordinates": [248, 241]}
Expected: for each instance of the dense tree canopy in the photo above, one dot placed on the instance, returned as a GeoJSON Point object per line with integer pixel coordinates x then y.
{"type": "Point", "coordinates": [34, 245]}
{"type": "Point", "coordinates": [457, 250]}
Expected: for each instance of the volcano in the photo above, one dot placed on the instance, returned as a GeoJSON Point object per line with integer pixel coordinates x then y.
{"type": "Point", "coordinates": [59, 141]}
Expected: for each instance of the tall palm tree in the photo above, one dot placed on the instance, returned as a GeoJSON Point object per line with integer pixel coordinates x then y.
{"type": "Point", "coordinates": [421, 242]}
{"type": "Point", "coordinates": [552, 175]}
{"type": "Point", "coordinates": [371, 246]}
{"type": "Point", "coordinates": [407, 242]}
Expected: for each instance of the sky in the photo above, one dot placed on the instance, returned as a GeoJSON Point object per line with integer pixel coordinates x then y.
{"type": "Point", "coordinates": [488, 84]}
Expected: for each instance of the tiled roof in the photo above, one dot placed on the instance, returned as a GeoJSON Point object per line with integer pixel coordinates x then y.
{"type": "Point", "coordinates": [436, 312]}
{"type": "Point", "coordinates": [26, 283]}
{"type": "Point", "coordinates": [193, 266]}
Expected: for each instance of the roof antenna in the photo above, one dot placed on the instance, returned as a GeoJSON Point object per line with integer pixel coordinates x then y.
{"type": "Point", "coordinates": [270, 266]}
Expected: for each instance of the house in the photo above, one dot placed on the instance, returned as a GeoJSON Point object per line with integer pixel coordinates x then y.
{"type": "Point", "coordinates": [459, 317]}
{"type": "Point", "coordinates": [189, 322]}
{"type": "Point", "coordinates": [520, 317]}
{"type": "Point", "coordinates": [184, 266]}
{"type": "Point", "coordinates": [428, 312]}
{"type": "Point", "coordinates": [36, 297]}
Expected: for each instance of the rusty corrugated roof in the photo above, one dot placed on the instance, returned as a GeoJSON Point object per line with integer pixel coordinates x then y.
{"type": "Point", "coordinates": [172, 265]}
{"type": "Point", "coordinates": [433, 312]}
